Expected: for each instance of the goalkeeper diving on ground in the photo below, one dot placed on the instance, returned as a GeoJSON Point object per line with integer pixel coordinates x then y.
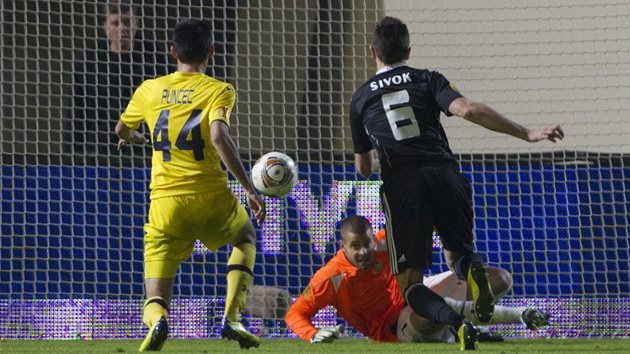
{"type": "Point", "coordinates": [359, 284]}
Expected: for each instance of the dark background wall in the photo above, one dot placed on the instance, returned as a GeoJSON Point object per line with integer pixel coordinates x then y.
{"type": "Point", "coordinates": [285, 61]}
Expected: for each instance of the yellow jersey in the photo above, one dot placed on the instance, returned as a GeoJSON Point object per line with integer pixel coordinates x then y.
{"type": "Point", "coordinates": [178, 109]}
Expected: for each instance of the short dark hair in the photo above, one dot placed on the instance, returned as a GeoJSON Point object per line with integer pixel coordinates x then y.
{"type": "Point", "coordinates": [356, 224]}
{"type": "Point", "coordinates": [117, 7]}
{"type": "Point", "coordinates": [391, 40]}
{"type": "Point", "coordinates": [192, 40]}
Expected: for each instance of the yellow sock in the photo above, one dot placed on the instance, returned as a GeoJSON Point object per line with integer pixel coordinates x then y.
{"type": "Point", "coordinates": [239, 279]}
{"type": "Point", "coordinates": [154, 309]}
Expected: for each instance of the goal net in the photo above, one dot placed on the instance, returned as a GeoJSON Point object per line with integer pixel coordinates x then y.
{"type": "Point", "coordinates": [73, 207]}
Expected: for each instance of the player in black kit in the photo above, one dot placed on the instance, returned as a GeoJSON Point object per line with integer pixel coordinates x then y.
{"type": "Point", "coordinates": [395, 122]}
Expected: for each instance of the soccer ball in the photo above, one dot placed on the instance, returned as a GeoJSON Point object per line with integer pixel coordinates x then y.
{"type": "Point", "coordinates": [274, 174]}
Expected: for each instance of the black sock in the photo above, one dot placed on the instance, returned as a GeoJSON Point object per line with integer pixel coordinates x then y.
{"type": "Point", "coordinates": [462, 265]}
{"type": "Point", "coordinates": [432, 306]}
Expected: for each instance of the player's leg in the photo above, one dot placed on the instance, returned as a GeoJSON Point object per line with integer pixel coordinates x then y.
{"type": "Point", "coordinates": [454, 222]}
{"type": "Point", "coordinates": [532, 318]}
{"type": "Point", "coordinates": [501, 282]}
{"type": "Point", "coordinates": [239, 279]}
{"type": "Point", "coordinates": [155, 312]}
{"type": "Point", "coordinates": [457, 294]}
{"type": "Point", "coordinates": [447, 284]}
{"type": "Point", "coordinates": [163, 252]}
{"type": "Point", "coordinates": [240, 271]}
{"type": "Point", "coordinates": [412, 328]}
{"type": "Point", "coordinates": [470, 266]}
{"type": "Point", "coordinates": [433, 308]}
{"type": "Point", "coordinates": [230, 224]}
{"type": "Point", "coordinates": [425, 302]}
{"type": "Point", "coordinates": [409, 232]}
{"type": "Point", "coordinates": [454, 291]}
{"type": "Point", "coordinates": [410, 245]}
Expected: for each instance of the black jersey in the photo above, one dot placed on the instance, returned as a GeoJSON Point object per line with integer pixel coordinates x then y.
{"type": "Point", "coordinates": [397, 112]}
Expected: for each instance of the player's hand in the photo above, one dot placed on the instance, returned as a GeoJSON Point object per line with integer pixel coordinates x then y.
{"type": "Point", "coordinates": [134, 137]}
{"type": "Point", "coordinates": [327, 334]}
{"type": "Point", "coordinates": [551, 133]}
{"type": "Point", "coordinates": [257, 205]}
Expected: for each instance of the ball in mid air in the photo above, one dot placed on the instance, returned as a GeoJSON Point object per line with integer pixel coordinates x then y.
{"type": "Point", "coordinates": [274, 174]}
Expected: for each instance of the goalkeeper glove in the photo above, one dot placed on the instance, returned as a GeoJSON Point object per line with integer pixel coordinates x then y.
{"type": "Point", "coordinates": [327, 334]}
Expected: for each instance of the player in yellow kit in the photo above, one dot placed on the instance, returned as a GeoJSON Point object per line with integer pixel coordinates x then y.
{"type": "Point", "coordinates": [188, 115]}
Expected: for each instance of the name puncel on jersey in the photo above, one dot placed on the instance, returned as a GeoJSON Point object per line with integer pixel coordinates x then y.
{"type": "Point", "coordinates": [181, 96]}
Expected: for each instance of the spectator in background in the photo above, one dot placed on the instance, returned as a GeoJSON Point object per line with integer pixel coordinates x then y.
{"type": "Point", "coordinates": [104, 81]}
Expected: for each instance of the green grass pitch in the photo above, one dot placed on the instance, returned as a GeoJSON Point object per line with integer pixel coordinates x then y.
{"type": "Point", "coordinates": [345, 345]}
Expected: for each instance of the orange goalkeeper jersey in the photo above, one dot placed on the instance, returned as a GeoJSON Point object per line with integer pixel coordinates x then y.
{"type": "Point", "coordinates": [369, 300]}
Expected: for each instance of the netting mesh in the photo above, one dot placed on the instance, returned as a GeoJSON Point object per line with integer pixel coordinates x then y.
{"type": "Point", "coordinates": [73, 208]}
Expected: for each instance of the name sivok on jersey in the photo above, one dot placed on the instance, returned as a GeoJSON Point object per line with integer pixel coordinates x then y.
{"type": "Point", "coordinates": [388, 81]}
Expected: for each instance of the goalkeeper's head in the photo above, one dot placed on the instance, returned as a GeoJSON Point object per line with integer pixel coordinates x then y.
{"type": "Point", "coordinates": [192, 42]}
{"type": "Point", "coordinates": [357, 241]}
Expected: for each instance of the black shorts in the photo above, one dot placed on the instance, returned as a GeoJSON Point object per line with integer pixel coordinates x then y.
{"type": "Point", "coordinates": [418, 198]}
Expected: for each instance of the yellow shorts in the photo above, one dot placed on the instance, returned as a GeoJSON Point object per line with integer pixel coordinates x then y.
{"type": "Point", "coordinates": [176, 222]}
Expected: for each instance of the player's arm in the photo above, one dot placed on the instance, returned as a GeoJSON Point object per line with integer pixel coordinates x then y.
{"type": "Point", "coordinates": [299, 316]}
{"type": "Point", "coordinates": [129, 122]}
{"type": "Point", "coordinates": [128, 135]}
{"type": "Point", "coordinates": [317, 295]}
{"type": "Point", "coordinates": [366, 163]}
{"type": "Point", "coordinates": [366, 159]}
{"type": "Point", "coordinates": [300, 323]}
{"type": "Point", "coordinates": [488, 118]}
{"type": "Point", "coordinates": [223, 143]}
